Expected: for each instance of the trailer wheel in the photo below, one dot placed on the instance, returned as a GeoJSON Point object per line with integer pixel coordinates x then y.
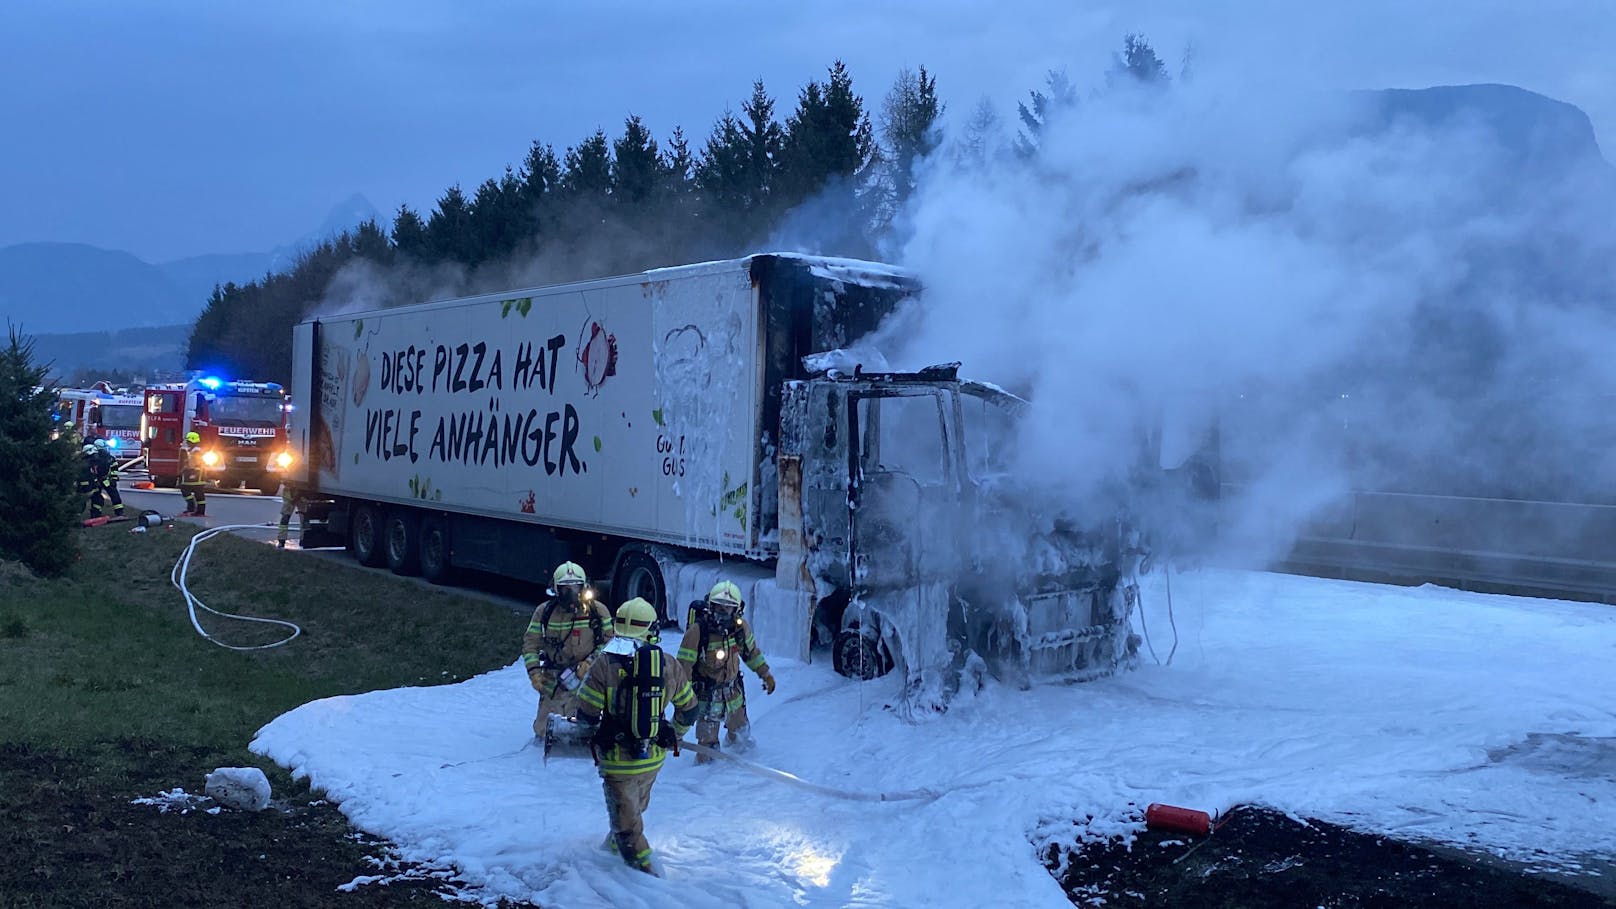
{"type": "Point", "coordinates": [640, 575]}
{"type": "Point", "coordinates": [365, 536]}
{"type": "Point", "coordinates": [858, 655]}
{"type": "Point", "coordinates": [435, 566]}
{"type": "Point", "coordinates": [403, 541]}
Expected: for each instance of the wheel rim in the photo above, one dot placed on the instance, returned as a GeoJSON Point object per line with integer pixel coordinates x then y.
{"type": "Point", "coordinates": [397, 541]}
{"type": "Point", "coordinates": [432, 549]}
{"type": "Point", "coordinates": [642, 584]}
{"type": "Point", "coordinates": [859, 657]}
{"type": "Point", "coordinates": [365, 533]}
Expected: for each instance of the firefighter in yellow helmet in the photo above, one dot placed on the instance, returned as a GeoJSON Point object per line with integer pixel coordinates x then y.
{"type": "Point", "coordinates": [562, 638]}
{"type": "Point", "coordinates": [622, 706]}
{"type": "Point", "coordinates": [193, 484]}
{"type": "Point", "coordinates": [717, 640]}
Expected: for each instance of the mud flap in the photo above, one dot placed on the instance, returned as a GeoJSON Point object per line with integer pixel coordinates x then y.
{"type": "Point", "coordinates": [565, 737]}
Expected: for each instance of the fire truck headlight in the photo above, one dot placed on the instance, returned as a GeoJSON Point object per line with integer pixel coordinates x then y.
{"type": "Point", "coordinates": [210, 458]}
{"type": "Point", "coordinates": [284, 459]}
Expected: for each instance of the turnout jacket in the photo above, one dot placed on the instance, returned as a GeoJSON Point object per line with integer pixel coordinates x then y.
{"type": "Point", "coordinates": [717, 660]}
{"type": "Point", "coordinates": [567, 640]}
{"type": "Point", "coordinates": [598, 700]}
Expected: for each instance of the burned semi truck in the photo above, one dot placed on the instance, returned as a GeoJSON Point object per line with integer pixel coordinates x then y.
{"type": "Point", "coordinates": [647, 424]}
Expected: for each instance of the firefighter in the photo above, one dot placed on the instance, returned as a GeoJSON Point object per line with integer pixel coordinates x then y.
{"type": "Point", "coordinates": [717, 639]}
{"type": "Point", "coordinates": [107, 470]}
{"type": "Point", "coordinates": [89, 486]}
{"type": "Point", "coordinates": [193, 484]}
{"type": "Point", "coordinates": [621, 706]}
{"type": "Point", "coordinates": [562, 639]}
{"type": "Point", "coordinates": [291, 500]}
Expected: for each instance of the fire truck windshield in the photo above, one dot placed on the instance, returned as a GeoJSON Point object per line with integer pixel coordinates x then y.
{"type": "Point", "coordinates": [245, 409]}
{"type": "Point", "coordinates": [120, 416]}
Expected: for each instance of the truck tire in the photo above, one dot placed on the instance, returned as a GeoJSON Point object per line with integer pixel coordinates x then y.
{"type": "Point", "coordinates": [402, 542]}
{"type": "Point", "coordinates": [858, 655]}
{"type": "Point", "coordinates": [365, 536]}
{"type": "Point", "coordinates": [435, 565]}
{"type": "Point", "coordinates": [639, 574]}
{"type": "Point", "coordinates": [267, 485]}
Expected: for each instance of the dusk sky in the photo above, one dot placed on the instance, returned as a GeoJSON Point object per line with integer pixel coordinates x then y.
{"type": "Point", "coordinates": [172, 129]}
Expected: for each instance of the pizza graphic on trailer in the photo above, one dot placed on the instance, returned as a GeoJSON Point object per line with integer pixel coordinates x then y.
{"type": "Point", "coordinates": [597, 355]}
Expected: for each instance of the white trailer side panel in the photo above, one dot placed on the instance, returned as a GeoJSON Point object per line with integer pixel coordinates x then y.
{"type": "Point", "coordinates": [625, 406]}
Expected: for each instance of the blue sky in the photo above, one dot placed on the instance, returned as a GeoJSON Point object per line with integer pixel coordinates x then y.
{"type": "Point", "coordinates": [178, 128]}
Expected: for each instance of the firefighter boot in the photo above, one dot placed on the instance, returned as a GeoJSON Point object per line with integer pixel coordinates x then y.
{"type": "Point", "coordinates": [706, 734]}
{"type": "Point", "coordinates": [201, 509]}
{"type": "Point", "coordinates": [739, 739]}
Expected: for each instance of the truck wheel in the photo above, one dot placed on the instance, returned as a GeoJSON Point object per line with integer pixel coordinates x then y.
{"type": "Point", "coordinates": [365, 537]}
{"type": "Point", "coordinates": [435, 566]}
{"type": "Point", "coordinates": [640, 575]}
{"type": "Point", "coordinates": [267, 485]}
{"type": "Point", "coordinates": [859, 656]}
{"type": "Point", "coordinates": [403, 543]}
{"type": "Point", "coordinates": [165, 482]}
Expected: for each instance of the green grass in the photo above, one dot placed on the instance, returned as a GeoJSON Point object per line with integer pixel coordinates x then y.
{"type": "Point", "coordinates": [107, 694]}
{"type": "Point", "coordinates": [109, 650]}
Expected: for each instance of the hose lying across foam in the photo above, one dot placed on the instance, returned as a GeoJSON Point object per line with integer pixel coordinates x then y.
{"type": "Point", "coordinates": [911, 795]}
{"type": "Point", "coordinates": [193, 602]}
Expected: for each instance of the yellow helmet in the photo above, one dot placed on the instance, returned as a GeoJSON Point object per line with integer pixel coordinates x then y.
{"type": "Point", "coordinates": [725, 594]}
{"type": "Point", "coordinates": [636, 619]}
{"type": "Point", "coordinates": [569, 573]}
{"type": "Point", "coordinates": [193, 437]}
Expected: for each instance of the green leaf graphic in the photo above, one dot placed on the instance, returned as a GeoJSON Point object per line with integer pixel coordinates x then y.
{"type": "Point", "coordinates": [656, 415]}
{"type": "Point", "coordinates": [597, 444]}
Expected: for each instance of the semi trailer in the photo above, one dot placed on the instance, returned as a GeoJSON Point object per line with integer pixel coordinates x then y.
{"type": "Point", "coordinates": [651, 425]}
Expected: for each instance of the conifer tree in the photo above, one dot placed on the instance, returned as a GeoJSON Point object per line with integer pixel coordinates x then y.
{"type": "Point", "coordinates": [828, 137]}
{"type": "Point", "coordinates": [909, 128]}
{"type": "Point", "coordinates": [448, 231]}
{"type": "Point", "coordinates": [37, 473]}
{"type": "Point", "coordinates": [409, 232]}
{"type": "Point", "coordinates": [1060, 95]}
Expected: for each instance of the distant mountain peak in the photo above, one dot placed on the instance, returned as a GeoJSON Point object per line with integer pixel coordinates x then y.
{"type": "Point", "coordinates": [348, 214]}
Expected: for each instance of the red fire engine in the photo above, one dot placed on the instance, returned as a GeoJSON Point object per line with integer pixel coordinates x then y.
{"type": "Point", "coordinates": [103, 412]}
{"type": "Point", "coordinates": [242, 425]}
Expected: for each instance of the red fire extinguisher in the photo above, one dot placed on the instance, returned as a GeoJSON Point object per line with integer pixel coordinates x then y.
{"type": "Point", "coordinates": [1178, 820]}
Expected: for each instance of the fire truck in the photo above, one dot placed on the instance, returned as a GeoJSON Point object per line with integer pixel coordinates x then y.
{"type": "Point", "coordinates": [103, 412]}
{"type": "Point", "coordinates": [242, 425]}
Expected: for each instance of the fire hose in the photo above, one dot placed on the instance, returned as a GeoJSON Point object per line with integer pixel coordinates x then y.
{"type": "Point", "coordinates": [193, 602]}
{"type": "Point", "coordinates": [770, 773]}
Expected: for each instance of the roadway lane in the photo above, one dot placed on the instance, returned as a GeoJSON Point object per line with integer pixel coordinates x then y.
{"type": "Point", "coordinates": [223, 507]}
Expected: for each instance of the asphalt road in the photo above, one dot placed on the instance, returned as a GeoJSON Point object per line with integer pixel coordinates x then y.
{"type": "Point", "coordinates": [223, 507]}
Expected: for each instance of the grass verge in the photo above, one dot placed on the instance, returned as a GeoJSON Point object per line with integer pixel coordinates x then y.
{"type": "Point", "coordinates": [107, 694]}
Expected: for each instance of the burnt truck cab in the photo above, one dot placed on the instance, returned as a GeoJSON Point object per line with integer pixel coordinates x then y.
{"type": "Point", "coordinates": [921, 558]}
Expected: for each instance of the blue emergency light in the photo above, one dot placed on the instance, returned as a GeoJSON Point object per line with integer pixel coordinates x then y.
{"type": "Point", "coordinates": [112, 443]}
{"type": "Point", "coordinates": [210, 382]}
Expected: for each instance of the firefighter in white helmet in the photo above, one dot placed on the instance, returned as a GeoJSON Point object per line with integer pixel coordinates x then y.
{"type": "Point", "coordinates": [717, 640]}
{"type": "Point", "coordinates": [562, 639]}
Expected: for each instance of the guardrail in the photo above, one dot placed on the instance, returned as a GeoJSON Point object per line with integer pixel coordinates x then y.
{"type": "Point", "coordinates": [1560, 549]}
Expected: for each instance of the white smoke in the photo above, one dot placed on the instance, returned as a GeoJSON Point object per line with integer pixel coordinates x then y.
{"type": "Point", "coordinates": [1322, 281]}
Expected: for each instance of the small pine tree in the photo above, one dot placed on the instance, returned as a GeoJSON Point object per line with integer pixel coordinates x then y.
{"type": "Point", "coordinates": [37, 473]}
